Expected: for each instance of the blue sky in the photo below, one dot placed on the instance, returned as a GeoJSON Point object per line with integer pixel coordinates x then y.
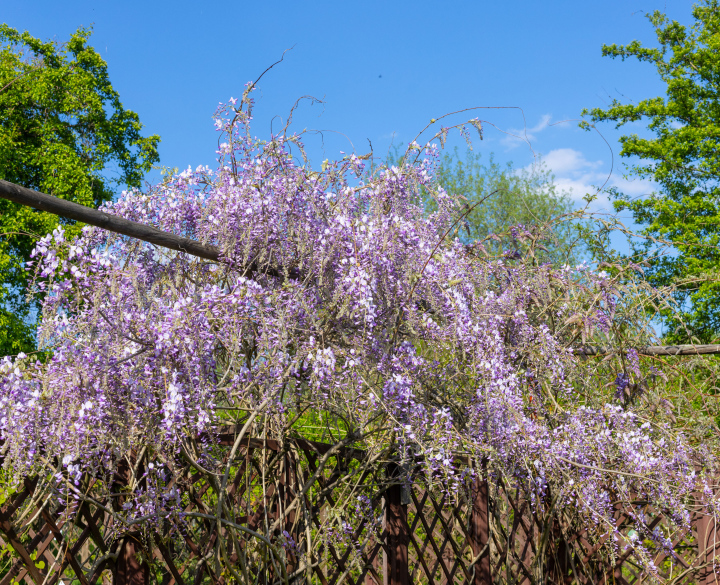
{"type": "Point", "coordinates": [383, 70]}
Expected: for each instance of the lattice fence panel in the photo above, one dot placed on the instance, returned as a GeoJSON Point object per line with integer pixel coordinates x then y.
{"type": "Point", "coordinates": [331, 521]}
{"type": "Point", "coordinates": [528, 546]}
{"type": "Point", "coordinates": [439, 535]}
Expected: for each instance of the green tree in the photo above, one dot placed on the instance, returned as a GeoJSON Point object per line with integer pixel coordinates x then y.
{"type": "Point", "coordinates": [510, 197]}
{"type": "Point", "coordinates": [63, 129]}
{"type": "Point", "coordinates": [681, 154]}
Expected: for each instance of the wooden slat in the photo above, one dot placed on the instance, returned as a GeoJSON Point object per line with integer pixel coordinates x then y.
{"type": "Point", "coordinates": [69, 558]}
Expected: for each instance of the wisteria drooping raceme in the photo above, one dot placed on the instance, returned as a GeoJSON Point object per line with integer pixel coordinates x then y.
{"type": "Point", "coordinates": [339, 302]}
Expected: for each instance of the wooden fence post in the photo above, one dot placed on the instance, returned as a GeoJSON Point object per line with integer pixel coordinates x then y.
{"type": "Point", "coordinates": [395, 559]}
{"type": "Point", "coordinates": [128, 571]}
{"type": "Point", "coordinates": [480, 529]}
{"type": "Point", "coordinates": [708, 549]}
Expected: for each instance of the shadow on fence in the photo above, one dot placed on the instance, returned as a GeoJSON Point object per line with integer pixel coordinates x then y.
{"type": "Point", "coordinates": [286, 519]}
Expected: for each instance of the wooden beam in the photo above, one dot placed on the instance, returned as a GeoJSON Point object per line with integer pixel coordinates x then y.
{"type": "Point", "coordinates": [130, 568]}
{"type": "Point", "coordinates": [653, 350]}
{"type": "Point", "coordinates": [112, 223]}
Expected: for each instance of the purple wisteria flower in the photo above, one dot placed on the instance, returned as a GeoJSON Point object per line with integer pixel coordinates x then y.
{"type": "Point", "coordinates": [337, 294]}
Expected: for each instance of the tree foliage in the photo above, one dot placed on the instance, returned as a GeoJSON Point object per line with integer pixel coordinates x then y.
{"type": "Point", "coordinates": [683, 156]}
{"type": "Point", "coordinates": [63, 131]}
{"type": "Point", "coordinates": [500, 197]}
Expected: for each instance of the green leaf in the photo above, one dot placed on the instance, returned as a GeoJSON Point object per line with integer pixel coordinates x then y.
{"type": "Point", "coordinates": [680, 152]}
{"type": "Point", "coordinates": [62, 125]}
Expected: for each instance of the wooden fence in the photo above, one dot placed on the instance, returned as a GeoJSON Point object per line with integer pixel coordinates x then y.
{"type": "Point", "coordinates": [307, 512]}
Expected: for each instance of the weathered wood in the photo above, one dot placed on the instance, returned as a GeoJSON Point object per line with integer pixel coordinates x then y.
{"type": "Point", "coordinates": [112, 223]}
{"type": "Point", "coordinates": [480, 530]}
{"type": "Point", "coordinates": [12, 538]}
{"type": "Point", "coordinates": [708, 550]}
{"type": "Point", "coordinates": [396, 570]}
{"type": "Point", "coordinates": [129, 570]}
{"type": "Point", "coordinates": [653, 350]}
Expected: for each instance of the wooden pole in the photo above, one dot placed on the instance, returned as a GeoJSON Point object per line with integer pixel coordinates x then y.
{"type": "Point", "coordinates": [113, 223]}
{"type": "Point", "coordinates": [653, 350]}
{"type": "Point", "coordinates": [396, 570]}
{"type": "Point", "coordinates": [480, 529]}
{"type": "Point", "coordinates": [128, 570]}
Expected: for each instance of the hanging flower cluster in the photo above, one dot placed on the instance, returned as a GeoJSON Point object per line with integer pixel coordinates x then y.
{"type": "Point", "coordinates": [337, 294]}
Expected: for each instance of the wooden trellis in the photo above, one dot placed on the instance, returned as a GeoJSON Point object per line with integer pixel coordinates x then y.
{"type": "Point", "coordinates": [480, 533]}
{"type": "Point", "coordinates": [78, 540]}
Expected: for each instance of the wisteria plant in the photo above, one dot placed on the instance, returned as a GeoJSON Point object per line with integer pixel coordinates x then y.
{"type": "Point", "coordinates": [341, 302]}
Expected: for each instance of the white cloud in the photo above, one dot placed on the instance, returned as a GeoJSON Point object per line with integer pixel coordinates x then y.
{"type": "Point", "coordinates": [577, 188]}
{"type": "Point", "coordinates": [569, 161]}
{"type": "Point", "coordinates": [578, 176]}
{"type": "Point", "coordinates": [517, 136]}
{"type": "Point", "coordinates": [541, 125]}
{"type": "Point", "coordinates": [634, 187]}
